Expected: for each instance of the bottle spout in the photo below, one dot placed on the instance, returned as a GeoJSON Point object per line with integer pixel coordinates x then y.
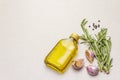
{"type": "Point", "coordinates": [74, 36]}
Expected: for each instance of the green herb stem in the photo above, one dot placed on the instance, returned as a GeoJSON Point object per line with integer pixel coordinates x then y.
{"type": "Point", "coordinates": [100, 45]}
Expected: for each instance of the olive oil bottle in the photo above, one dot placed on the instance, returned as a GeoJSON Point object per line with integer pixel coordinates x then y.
{"type": "Point", "coordinates": [60, 57]}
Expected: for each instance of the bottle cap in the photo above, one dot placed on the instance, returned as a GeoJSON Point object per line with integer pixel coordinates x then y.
{"type": "Point", "coordinates": [75, 36]}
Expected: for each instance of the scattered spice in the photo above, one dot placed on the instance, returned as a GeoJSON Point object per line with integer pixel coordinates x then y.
{"type": "Point", "coordinates": [95, 26]}
{"type": "Point", "coordinates": [98, 25]}
{"type": "Point", "coordinates": [98, 20]}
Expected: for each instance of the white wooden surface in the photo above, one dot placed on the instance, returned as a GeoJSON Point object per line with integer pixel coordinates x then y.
{"type": "Point", "coordinates": [30, 28]}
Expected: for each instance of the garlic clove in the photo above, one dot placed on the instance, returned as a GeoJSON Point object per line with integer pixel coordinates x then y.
{"type": "Point", "coordinates": [89, 56]}
{"type": "Point", "coordinates": [78, 64]}
{"type": "Point", "coordinates": [92, 70]}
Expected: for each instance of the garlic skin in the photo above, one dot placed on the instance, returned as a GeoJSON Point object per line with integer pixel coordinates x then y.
{"type": "Point", "coordinates": [92, 70]}
{"type": "Point", "coordinates": [89, 55]}
{"type": "Point", "coordinates": [78, 64]}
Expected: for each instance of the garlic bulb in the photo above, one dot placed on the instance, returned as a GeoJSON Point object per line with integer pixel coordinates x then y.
{"type": "Point", "coordinates": [89, 56]}
{"type": "Point", "coordinates": [78, 64]}
{"type": "Point", "coordinates": [92, 70]}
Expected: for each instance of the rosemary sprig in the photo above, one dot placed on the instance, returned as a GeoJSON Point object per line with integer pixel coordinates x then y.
{"type": "Point", "coordinates": [100, 45]}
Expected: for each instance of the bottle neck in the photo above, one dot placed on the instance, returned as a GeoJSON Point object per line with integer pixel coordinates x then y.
{"type": "Point", "coordinates": [73, 39]}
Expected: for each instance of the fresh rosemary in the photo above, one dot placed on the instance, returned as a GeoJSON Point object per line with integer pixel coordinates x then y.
{"type": "Point", "coordinates": [100, 44]}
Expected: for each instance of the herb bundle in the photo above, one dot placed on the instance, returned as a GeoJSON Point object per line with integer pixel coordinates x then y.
{"type": "Point", "coordinates": [100, 44]}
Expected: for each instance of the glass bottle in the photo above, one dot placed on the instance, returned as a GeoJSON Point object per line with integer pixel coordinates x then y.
{"type": "Point", "coordinates": [60, 57]}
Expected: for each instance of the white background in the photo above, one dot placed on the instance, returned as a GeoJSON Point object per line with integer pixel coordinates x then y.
{"type": "Point", "coordinates": [30, 28]}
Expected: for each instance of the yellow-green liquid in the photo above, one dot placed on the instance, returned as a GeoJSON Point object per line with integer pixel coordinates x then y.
{"type": "Point", "coordinates": [62, 54]}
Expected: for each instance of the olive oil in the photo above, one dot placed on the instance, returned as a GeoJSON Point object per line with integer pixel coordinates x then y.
{"type": "Point", "coordinates": [60, 57]}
